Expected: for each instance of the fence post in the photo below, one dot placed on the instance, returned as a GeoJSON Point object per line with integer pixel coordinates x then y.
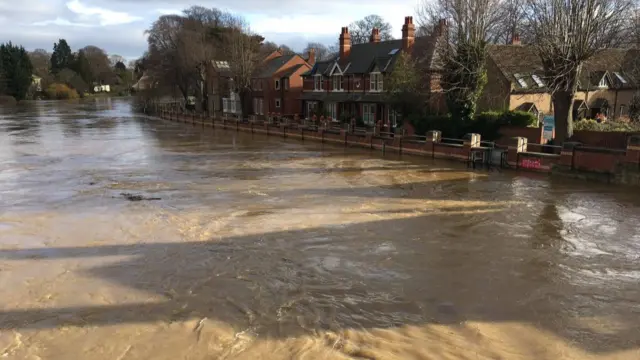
{"type": "Point", "coordinates": [516, 146]}
{"type": "Point", "coordinates": [433, 137]}
{"type": "Point", "coordinates": [567, 154]}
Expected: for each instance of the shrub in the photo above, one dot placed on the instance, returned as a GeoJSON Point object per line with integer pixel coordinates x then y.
{"type": "Point", "coordinates": [61, 92]}
{"type": "Point", "coordinates": [519, 118]}
{"type": "Point", "coordinates": [422, 123]}
{"type": "Point", "coordinates": [608, 126]}
{"type": "Point", "coordinates": [489, 117]}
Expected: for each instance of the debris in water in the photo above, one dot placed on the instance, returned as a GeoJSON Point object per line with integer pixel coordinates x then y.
{"type": "Point", "coordinates": [132, 197]}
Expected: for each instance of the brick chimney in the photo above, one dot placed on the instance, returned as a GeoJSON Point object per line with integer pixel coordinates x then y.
{"type": "Point", "coordinates": [515, 40]}
{"type": "Point", "coordinates": [408, 34]}
{"type": "Point", "coordinates": [345, 43]}
{"type": "Point", "coordinates": [312, 57]}
{"type": "Point", "coordinates": [441, 28]}
{"type": "Point", "coordinates": [375, 35]}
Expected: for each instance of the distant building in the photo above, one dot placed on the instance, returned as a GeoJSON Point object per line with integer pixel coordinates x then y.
{"type": "Point", "coordinates": [353, 83]}
{"type": "Point", "coordinates": [277, 86]}
{"type": "Point", "coordinates": [515, 81]}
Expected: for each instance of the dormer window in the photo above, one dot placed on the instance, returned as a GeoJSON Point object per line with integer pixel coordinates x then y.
{"type": "Point", "coordinates": [537, 79]}
{"type": "Point", "coordinates": [622, 80]}
{"type": "Point", "coordinates": [317, 83]}
{"type": "Point", "coordinates": [521, 81]}
{"type": "Point", "coordinates": [376, 83]}
{"type": "Point", "coordinates": [286, 83]}
{"type": "Point", "coordinates": [603, 82]}
{"type": "Point", "coordinates": [337, 83]}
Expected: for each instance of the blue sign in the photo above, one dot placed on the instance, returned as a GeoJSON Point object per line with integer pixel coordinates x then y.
{"type": "Point", "coordinates": [549, 124]}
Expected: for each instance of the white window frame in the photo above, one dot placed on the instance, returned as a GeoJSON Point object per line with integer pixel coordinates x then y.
{"type": "Point", "coordinates": [317, 82]}
{"type": "Point", "coordinates": [332, 109]}
{"type": "Point", "coordinates": [311, 106]}
{"type": "Point", "coordinates": [393, 116]}
{"type": "Point", "coordinates": [337, 83]}
{"type": "Point", "coordinates": [225, 105]}
{"type": "Point", "coordinates": [369, 114]}
{"type": "Point", "coordinates": [286, 83]}
{"type": "Point", "coordinates": [277, 84]}
{"type": "Point", "coordinates": [261, 105]}
{"type": "Point", "coordinates": [376, 83]}
{"type": "Point", "coordinates": [623, 110]}
{"type": "Point", "coordinates": [278, 103]}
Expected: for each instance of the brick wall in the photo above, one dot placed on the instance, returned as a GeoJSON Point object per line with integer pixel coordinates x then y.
{"type": "Point", "coordinates": [597, 160]}
{"type": "Point", "coordinates": [533, 135]}
{"type": "Point", "coordinates": [613, 140]}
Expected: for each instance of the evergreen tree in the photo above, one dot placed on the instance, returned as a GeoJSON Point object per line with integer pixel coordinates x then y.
{"type": "Point", "coordinates": [15, 71]}
{"type": "Point", "coordinates": [120, 66]}
{"type": "Point", "coordinates": [62, 57]}
{"type": "Point", "coordinates": [82, 66]}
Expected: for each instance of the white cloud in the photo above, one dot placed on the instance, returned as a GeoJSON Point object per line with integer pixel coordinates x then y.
{"type": "Point", "coordinates": [60, 22]}
{"type": "Point", "coordinates": [106, 17]}
{"type": "Point", "coordinates": [168, 11]}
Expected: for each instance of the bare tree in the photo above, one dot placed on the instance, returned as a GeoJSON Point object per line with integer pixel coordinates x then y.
{"type": "Point", "coordinates": [162, 61]}
{"type": "Point", "coordinates": [466, 26]}
{"type": "Point", "coordinates": [242, 51]}
{"type": "Point", "coordinates": [286, 50]}
{"type": "Point", "coordinates": [361, 30]}
{"type": "Point", "coordinates": [99, 65]}
{"type": "Point", "coordinates": [566, 34]}
{"type": "Point", "coordinates": [322, 52]}
{"type": "Point", "coordinates": [41, 61]}
{"type": "Point", "coordinates": [510, 20]}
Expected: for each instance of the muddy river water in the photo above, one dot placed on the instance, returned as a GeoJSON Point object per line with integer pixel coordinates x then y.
{"type": "Point", "coordinates": [255, 247]}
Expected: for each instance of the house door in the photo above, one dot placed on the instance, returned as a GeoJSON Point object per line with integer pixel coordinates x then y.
{"type": "Point", "coordinates": [369, 114]}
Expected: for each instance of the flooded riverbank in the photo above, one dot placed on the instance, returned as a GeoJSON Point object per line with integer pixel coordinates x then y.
{"type": "Point", "coordinates": [260, 247]}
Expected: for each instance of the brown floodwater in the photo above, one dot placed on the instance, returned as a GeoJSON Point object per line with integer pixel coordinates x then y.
{"type": "Point", "coordinates": [260, 247]}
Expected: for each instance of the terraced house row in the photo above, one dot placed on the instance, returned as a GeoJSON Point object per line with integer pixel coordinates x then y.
{"type": "Point", "coordinates": [352, 83]}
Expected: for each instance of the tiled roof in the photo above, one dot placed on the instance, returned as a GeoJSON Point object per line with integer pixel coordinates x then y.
{"type": "Point", "coordinates": [362, 55]}
{"type": "Point", "coordinates": [291, 70]}
{"type": "Point", "coordinates": [521, 65]}
{"type": "Point", "coordinates": [363, 58]}
{"type": "Point", "coordinates": [273, 65]}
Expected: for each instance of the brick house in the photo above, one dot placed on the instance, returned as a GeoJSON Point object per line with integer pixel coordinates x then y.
{"type": "Point", "coordinates": [516, 82]}
{"type": "Point", "coordinates": [221, 95]}
{"type": "Point", "coordinates": [277, 85]}
{"type": "Point", "coordinates": [352, 83]}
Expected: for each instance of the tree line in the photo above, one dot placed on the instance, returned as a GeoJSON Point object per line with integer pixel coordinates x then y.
{"type": "Point", "coordinates": [64, 72]}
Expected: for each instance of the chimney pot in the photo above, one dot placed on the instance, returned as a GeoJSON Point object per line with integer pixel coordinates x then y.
{"type": "Point", "coordinates": [408, 34]}
{"type": "Point", "coordinates": [312, 56]}
{"type": "Point", "coordinates": [375, 35]}
{"type": "Point", "coordinates": [345, 43]}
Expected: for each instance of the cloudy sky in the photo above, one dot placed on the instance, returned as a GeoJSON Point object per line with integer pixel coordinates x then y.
{"type": "Point", "coordinates": [118, 25]}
